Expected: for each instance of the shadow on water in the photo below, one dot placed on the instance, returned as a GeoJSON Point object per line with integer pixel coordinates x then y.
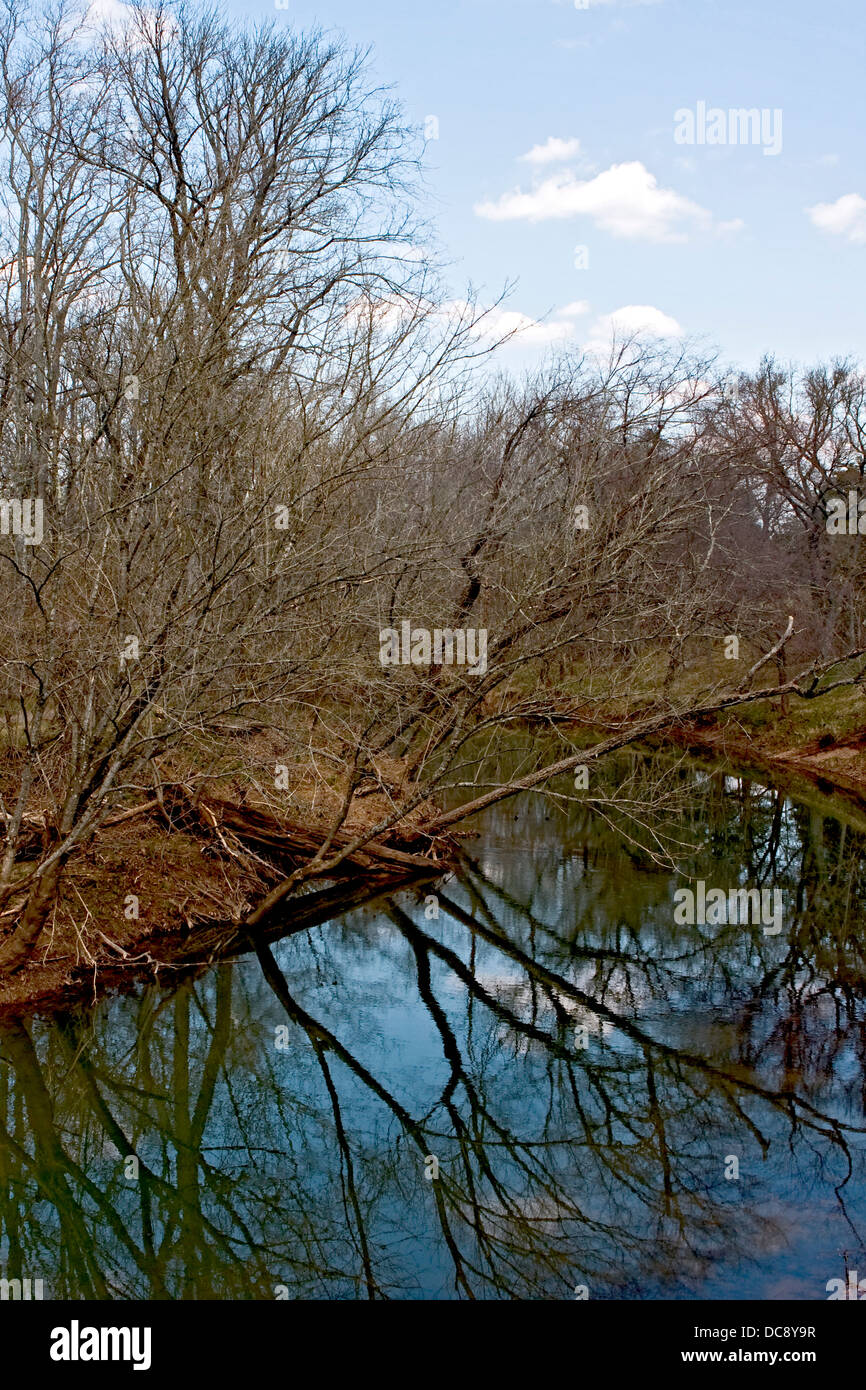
{"type": "Point", "coordinates": [526, 1080]}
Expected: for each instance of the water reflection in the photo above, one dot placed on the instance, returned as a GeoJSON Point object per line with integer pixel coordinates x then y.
{"type": "Point", "coordinates": [580, 1070]}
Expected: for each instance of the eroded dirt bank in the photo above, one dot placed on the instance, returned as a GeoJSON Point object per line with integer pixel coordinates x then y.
{"type": "Point", "coordinates": [170, 890]}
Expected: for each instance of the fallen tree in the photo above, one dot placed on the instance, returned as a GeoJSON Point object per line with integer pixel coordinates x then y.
{"type": "Point", "coordinates": [401, 848]}
{"type": "Point", "coordinates": [807, 686]}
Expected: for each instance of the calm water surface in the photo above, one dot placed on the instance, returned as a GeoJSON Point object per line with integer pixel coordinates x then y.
{"type": "Point", "coordinates": [586, 1075]}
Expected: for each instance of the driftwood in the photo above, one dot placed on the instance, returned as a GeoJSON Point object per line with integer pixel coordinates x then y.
{"type": "Point", "coordinates": [288, 843]}
{"type": "Point", "coordinates": [295, 841]}
{"type": "Point", "coordinates": [259, 840]}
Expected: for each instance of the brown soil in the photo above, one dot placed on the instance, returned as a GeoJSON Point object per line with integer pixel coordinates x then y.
{"type": "Point", "coordinates": [197, 869]}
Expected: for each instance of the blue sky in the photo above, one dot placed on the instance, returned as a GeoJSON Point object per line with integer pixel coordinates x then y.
{"type": "Point", "coordinates": [751, 252]}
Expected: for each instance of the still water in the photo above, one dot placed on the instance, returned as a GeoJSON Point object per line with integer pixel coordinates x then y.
{"type": "Point", "coordinates": [524, 1080]}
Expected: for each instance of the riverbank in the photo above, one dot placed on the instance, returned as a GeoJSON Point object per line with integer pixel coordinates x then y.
{"type": "Point", "coordinates": [840, 766]}
{"type": "Point", "coordinates": [170, 886]}
{"type": "Point", "coordinates": [823, 740]}
{"type": "Point", "coordinates": [170, 889]}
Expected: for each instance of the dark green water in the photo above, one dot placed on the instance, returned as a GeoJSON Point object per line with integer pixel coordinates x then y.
{"type": "Point", "coordinates": [583, 1070]}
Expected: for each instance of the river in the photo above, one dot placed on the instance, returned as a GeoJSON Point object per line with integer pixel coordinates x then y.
{"type": "Point", "coordinates": [526, 1080]}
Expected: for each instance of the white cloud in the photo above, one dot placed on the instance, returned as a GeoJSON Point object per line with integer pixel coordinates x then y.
{"type": "Point", "coordinates": [846, 217]}
{"type": "Point", "coordinates": [492, 324]}
{"type": "Point", "coordinates": [632, 320]}
{"type": "Point", "coordinates": [487, 324]}
{"type": "Point", "coordinates": [553, 151]}
{"type": "Point", "coordinates": [117, 16]}
{"type": "Point", "coordinates": [105, 9]}
{"type": "Point", "coordinates": [386, 311]}
{"type": "Point", "coordinates": [624, 200]}
{"type": "Point", "coordinates": [496, 323]}
{"type": "Point", "coordinates": [108, 12]}
{"type": "Point", "coordinates": [528, 331]}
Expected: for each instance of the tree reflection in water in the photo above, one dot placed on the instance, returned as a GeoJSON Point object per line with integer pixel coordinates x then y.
{"type": "Point", "coordinates": [448, 1024]}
